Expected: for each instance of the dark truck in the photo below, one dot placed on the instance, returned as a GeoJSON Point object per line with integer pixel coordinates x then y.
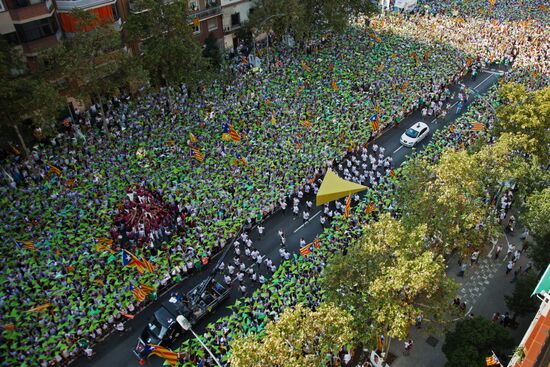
{"type": "Point", "coordinates": [162, 329]}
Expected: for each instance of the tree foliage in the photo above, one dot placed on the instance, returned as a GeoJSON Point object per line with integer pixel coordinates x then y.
{"type": "Point", "coordinates": [528, 113]}
{"type": "Point", "coordinates": [300, 337]}
{"type": "Point", "coordinates": [536, 217]}
{"type": "Point", "coordinates": [92, 62]}
{"type": "Point", "coordinates": [307, 17]}
{"type": "Point", "coordinates": [387, 279]}
{"type": "Point", "coordinates": [473, 340]}
{"type": "Point", "coordinates": [168, 49]}
{"type": "Point", "coordinates": [24, 95]}
{"type": "Point", "coordinates": [521, 302]}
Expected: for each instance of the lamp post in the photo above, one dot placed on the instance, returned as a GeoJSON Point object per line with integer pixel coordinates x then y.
{"type": "Point", "coordinates": [186, 325]}
{"type": "Point", "coordinates": [259, 27]}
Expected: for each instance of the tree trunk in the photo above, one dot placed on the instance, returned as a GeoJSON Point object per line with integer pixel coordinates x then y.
{"type": "Point", "coordinates": [21, 140]}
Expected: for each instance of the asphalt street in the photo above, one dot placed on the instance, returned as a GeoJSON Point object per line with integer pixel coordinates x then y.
{"type": "Point", "coordinates": [116, 350]}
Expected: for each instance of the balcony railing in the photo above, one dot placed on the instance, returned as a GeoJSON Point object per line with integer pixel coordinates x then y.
{"type": "Point", "coordinates": [30, 11]}
{"type": "Point", "coordinates": [33, 47]}
{"type": "Point", "coordinates": [232, 28]}
{"type": "Point", "coordinates": [205, 12]}
{"type": "Point", "coordinates": [67, 5]}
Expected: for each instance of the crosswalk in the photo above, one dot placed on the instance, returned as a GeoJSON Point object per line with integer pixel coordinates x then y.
{"type": "Point", "coordinates": [477, 278]}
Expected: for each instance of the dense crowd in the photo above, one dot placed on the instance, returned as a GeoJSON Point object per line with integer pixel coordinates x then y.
{"type": "Point", "coordinates": [297, 279]}
{"type": "Point", "coordinates": [126, 171]}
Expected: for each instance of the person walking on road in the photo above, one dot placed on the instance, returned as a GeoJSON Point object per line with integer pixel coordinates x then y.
{"type": "Point", "coordinates": [260, 230]}
{"type": "Point", "coordinates": [408, 347]}
{"type": "Point", "coordinates": [305, 216]}
{"type": "Point", "coordinates": [509, 267]}
{"type": "Point", "coordinates": [497, 251]}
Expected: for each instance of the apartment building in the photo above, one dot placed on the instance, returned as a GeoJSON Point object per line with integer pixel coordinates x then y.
{"type": "Point", "coordinates": [206, 17]}
{"type": "Point", "coordinates": [235, 13]}
{"type": "Point", "coordinates": [35, 25]}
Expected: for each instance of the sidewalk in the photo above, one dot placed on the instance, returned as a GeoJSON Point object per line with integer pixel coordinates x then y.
{"type": "Point", "coordinates": [483, 288]}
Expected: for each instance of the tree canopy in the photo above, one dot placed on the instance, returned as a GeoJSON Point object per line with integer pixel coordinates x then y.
{"type": "Point", "coordinates": [387, 279]}
{"type": "Point", "coordinates": [25, 96]}
{"type": "Point", "coordinates": [305, 18]}
{"type": "Point", "coordinates": [300, 337]}
{"type": "Point", "coordinates": [527, 113]}
{"type": "Point", "coordinates": [475, 339]}
{"type": "Point", "coordinates": [521, 302]}
{"type": "Point", "coordinates": [166, 45]}
{"type": "Point", "coordinates": [536, 217]}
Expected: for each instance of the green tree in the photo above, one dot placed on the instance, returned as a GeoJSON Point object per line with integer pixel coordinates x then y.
{"type": "Point", "coordinates": [93, 63]}
{"type": "Point", "coordinates": [305, 18]}
{"type": "Point", "coordinates": [167, 47]}
{"type": "Point", "coordinates": [536, 217]}
{"type": "Point", "coordinates": [473, 340]}
{"type": "Point", "coordinates": [212, 51]}
{"type": "Point", "coordinates": [524, 112]}
{"type": "Point", "coordinates": [300, 337]}
{"type": "Point", "coordinates": [450, 199]}
{"type": "Point", "coordinates": [521, 302]}
{"type": "Point", "coordinates": [25, 96]}
{"type": "Point", "coordinates": [387, 279]}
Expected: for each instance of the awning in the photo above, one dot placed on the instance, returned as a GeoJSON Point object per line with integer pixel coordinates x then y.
{"type": "Point", "coordinates": [334, 188]}
{"type": "Point", "coordinates": [544, 283]}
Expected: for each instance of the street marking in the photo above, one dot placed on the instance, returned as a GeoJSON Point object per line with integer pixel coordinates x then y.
{"type": "Point", "coordinates": [483, 81]}
{"type": "Point", "coordinates": [398, 149]}
{"type": "Point", "coordinates": [470, 310]}
{"type": "Point", "coordinates": [310, 219]}
{"type": "Point", "coordinates": [490, 71]}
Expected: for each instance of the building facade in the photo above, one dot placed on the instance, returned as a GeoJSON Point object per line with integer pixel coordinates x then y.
{"type": "Point", "coordinates": [235, 13]}
{"type": "Point", "coordinates": [206, 17]}
{"type": "Point", "coordinates": [535, 345]}
{"type": "Point", "coordinates": [35, 25]}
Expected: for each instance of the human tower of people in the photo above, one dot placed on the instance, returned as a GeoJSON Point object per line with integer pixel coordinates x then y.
{"type": "Point", "coordinates": [61, 288]}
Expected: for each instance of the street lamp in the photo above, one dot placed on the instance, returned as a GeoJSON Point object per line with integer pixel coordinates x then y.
{"type": "Point", "coordinates": [186, 325]}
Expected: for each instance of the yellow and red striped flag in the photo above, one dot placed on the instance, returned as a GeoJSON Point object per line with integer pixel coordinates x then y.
{"type": "Point", "coordinates": [53, 169]}
{"type": "Point", "coordinates": [370, 208]}
{"type": "Point", "coordinates": [28, 245]}
{"type": "Point", "coordinates": [492, 360]}
{"type": "Point", "coordinates": [138, 293]}
{"type": "Point", "coordinates": [101, 247]}
{"type": "Point", "coordinates": [148, 266]}
{"type": "Point", "coordinates": [170, 357]}
{"type": "Point", "coordinates": [476, 126]}
{"type": "Point", "coordinates": [197, 154]}
{"type": "Point", "coordinates": [348, 207]}
{"type": "Point", "coordinates": [334, 85]}
{"type": "Point", "coordinates": [405, 85]}
{"type": "Point", "coordinates": [39, 308]}
{"type": "Point", "coordinates": [233, 134]}
{"type": "Point", "coordinates": [307, 124]}
{"type": "Point", "coordinates": [392, 173]}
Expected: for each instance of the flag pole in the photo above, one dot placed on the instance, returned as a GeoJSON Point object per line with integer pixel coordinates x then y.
{"type": "Point", "coordinates": [498, 359]}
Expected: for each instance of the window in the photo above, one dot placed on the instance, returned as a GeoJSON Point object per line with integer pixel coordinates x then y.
{"type": "Point", "coordinates": [37, 29]}
{"type": "Point", "coordinates": [196, 28]}
{"type": "Point", "coordinates": [235, 19]}
{"type": "Point", "coordinates": [193, 6]}
{"type": "Point", "coordinates": [212, 24]}
{"type": "Point", "coordinates": [2, 8]}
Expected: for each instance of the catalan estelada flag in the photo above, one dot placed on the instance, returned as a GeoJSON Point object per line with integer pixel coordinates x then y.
{"type": "Point", "coordinates": [167, 354]}
{"type": "Point", "coordinates": [476, 126]}
{"type": "Point", "coordinates": [348, 207]}
{"type": "Point", "coordinates": [306, 250]}
{"type": "Point", "coordinates": [233, 134]}
{"type": "Point", "coordinates": [129, 259]}
{"type": "Point", "coordinates": [392, 173]}
{"type": "Point", "coordinates": [138, 293]}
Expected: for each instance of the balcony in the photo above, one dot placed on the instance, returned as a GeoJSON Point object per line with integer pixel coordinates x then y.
{"type": "Point", "coordinates": [68, 5]}
{"type": "Point", "coordinates": [34, 47]}
{"type": "Point", "coordinates": [205, 13]}
{"type": "Point", "coordinates": [28, 10]}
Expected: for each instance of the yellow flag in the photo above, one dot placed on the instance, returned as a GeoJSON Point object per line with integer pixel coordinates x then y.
{"type": "Point", "coordinates": [192, 137]}
{"type": "Point", "coordinates": [273, 121]}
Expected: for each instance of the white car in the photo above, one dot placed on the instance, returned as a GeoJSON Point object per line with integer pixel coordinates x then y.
{"type": "Point", "coordinates": [414, 134]}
